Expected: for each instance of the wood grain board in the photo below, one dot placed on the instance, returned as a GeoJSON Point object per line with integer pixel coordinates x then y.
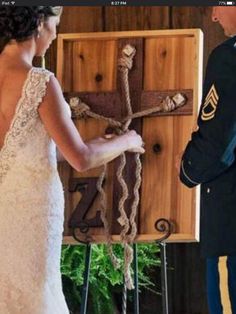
{"type": "Point", "coordinates": [170, 60]}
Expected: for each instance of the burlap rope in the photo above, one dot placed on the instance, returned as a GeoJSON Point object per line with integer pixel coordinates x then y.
{"type": "Point", "coordinates": [81, 110]}
{"type": "Point", "coordinates": [125, 64]}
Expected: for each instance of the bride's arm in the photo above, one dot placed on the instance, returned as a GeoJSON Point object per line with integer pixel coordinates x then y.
{"type": "Point", "coordinates": [59, 155]}
{"type": "Point", "coordinates": [79, 154]}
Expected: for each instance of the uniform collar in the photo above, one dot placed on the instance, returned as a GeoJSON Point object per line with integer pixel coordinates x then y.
{"type": "Point", "coordinates": [230, 41]}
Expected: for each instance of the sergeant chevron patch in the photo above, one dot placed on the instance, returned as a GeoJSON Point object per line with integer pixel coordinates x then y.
{"type": "Point", "coordinates": [209, 107]}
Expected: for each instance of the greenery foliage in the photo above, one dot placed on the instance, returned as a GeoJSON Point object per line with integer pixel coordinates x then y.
{"type": "Point", "coordinates": [104, 282]}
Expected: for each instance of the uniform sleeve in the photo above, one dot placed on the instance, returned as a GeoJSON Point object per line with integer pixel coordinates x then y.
{"type": "Point", "coordinates": [211, 150]}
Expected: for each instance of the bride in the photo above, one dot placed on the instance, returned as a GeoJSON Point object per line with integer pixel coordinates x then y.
{"type": "Point", "coordinates": [34, 120]}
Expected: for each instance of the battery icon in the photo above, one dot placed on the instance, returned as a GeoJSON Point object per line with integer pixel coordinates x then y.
{"type": "Point", "coordinates": [230, 3]}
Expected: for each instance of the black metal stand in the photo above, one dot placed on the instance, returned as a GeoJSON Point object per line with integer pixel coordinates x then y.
{"type": "Point", "coordinates": [164, 286]}
{"type": "Point", "coordinates": [135, 291]}
{"type": "Point", "coordinates": [164, 225]}
{"type": "Point", "coordinates": [124, 299]}
{"type": "Point", "coordinates": [136, 295]}
{"type": "Point", "coordinates": [86, 279]}
{"type": "Point", "coordinates": [161, 225]}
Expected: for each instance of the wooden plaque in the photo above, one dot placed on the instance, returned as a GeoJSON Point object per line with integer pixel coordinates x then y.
{"type": "Point", "coordinates": [166, 62]}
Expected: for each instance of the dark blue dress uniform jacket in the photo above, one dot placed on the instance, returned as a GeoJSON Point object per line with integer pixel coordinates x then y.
{"type": "Point", "coordinates": [209, 158]}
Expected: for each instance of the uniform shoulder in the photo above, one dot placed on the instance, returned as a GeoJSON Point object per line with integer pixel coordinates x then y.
{"type": "Point", "coordinates": [223, 58]}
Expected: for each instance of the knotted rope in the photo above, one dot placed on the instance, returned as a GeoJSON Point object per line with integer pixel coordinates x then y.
{"type": "Point", "coordinates": [125, 64]}
{"type": "Point", "coordinates": [80, 110]}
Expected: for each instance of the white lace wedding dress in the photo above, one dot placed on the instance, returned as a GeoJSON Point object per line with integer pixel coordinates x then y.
{"type": "Point", "coordinates": [31, 210]}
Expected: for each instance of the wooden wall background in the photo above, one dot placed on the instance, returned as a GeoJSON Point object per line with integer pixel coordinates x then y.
{"type": "Point", "coordinates": [186, 281]}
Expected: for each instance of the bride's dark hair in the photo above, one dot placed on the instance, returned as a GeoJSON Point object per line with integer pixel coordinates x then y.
{"type": "Point", "coordinates": [21, 23]}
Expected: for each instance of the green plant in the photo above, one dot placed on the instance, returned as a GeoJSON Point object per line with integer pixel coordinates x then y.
{"type": "Point", "coordinates": [104, 281]}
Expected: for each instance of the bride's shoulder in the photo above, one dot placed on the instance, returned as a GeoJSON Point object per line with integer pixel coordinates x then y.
{"type": "Point", "coordinates": [41, 72]}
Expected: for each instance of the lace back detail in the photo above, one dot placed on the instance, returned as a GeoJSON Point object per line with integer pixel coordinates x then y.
{"type": "Point", "coordinates": [34, 89]}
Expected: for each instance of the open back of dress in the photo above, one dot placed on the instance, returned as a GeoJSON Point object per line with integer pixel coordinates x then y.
{"type": "Point", "coordinates": [31, 210]}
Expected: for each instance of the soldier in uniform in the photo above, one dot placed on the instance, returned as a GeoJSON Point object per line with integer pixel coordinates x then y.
{"type": "Point", "coordinates": [210, 160]}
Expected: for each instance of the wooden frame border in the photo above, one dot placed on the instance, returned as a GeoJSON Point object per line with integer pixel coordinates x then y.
{"type": "Point", "coordinates": [197, 95]}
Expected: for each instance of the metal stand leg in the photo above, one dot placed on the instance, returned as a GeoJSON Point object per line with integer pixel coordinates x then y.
{"type": "Point", "coordinates": [164, 225]}
{"type": "Point", "coordinates": [86, 279]}
{"type": "Point", "coordinates": [164, 287]}
{"type": "Point", "coordinates": [136, 295]}
{"type": "Point", "coordinates": [124, 299]}
{"type": "Point", "coordinates": [135, 291]}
